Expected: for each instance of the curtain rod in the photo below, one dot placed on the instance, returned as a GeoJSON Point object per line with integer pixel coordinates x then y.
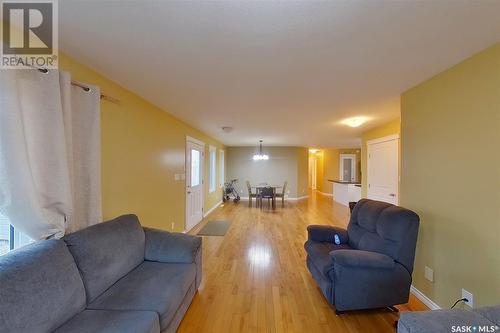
{"type": "Point", "coordinates": [86, 88]}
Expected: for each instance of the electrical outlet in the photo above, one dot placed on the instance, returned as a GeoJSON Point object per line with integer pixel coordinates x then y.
{"type": "Point", "coordinates": [429, 273]}
{"type": "Point", "coordinates": [177, 177]}
{"type": "Point", "coordinates": [469, 296]}
{"type": "Point", "coordinates": [172, 226]}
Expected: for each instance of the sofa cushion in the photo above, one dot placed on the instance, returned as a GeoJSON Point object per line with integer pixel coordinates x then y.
{"type": "Point", "coordinates": [107, 251]}
{"type": "Point", "coordinates": [319, 254]}
{"type": "Point", "coordinates": [102, 321]}
{"type": "Point", "coordinates": [152, 286]}
{"type": "Point", "coordinates": [40, 288]}
{"type": "Point", "coordinates": [168, 247]}
{"type": "Point", "coordinates": [364, 259]}
{"type": "Point", "coordinates": [438, 321]}
{"type": "Point", "coordinates": [492, 313]}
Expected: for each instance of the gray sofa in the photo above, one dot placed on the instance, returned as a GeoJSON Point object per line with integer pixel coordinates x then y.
{"type": "Point", "coordinates": [485, 319]}
{"type": "Point", "coordinates": [372, 265]}
{"type": "Point", "coordinates": [111, 277]}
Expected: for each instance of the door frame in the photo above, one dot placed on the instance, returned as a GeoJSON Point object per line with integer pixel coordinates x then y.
{"type": "Point", "coordinates": [354, 171]}
{"type": "Point", "coordinates": [369, 144]}
{"type": "Point", "coordinates": [202, 171]}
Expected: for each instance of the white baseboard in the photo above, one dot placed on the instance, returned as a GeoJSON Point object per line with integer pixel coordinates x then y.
{"type": "Point", "coordinates": [205, 214]}
{"type": "Point", "coordinates": [424, 299]}
{"type": "Point", "coordinates": [298, 198]}
{"type": "Point", "coordinates": [325, 194]}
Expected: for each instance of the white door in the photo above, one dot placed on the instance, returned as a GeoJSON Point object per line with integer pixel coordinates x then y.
{"type": "Point", "coordinates": [383, 169]}
{"type": "Point", "coordinates": [194, 182]}
{"type": "Point", "coordinates": [347, 167]}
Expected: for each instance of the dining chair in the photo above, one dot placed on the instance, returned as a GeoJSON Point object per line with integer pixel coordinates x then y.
{"type": "Point", "coordinates": [267, 193]}
{"type": "Point", "coordinates": [282, 194]}
{"type": "Point", "coordinates": [251, 194]}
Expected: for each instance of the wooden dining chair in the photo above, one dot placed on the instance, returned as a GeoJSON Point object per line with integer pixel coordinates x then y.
{"type": "Point", "coordinates": [267, 193]}
{"type": "Point", "coordinates": [282, 194]}
{"type": "Point", "coordinates": [251, 194]}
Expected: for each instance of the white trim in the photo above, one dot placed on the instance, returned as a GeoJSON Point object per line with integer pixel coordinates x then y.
{"type": "Point", "coordinates": [383, 139]}
{"type": "Point", "coordinates": [222, 167]}
{"type": "Point", "coordinates": [191, 139]}
{"type": "Point", "coordinates": [212, 169]}
{"type": "Point", "coordinates": [325, 194]}
{"type": "Point", "coordinates": [424, 299]}
{"type": "Point", "coordinates": [212, 209]}
{"type": "Point", "coordinates": [202, 178]}
{"type": "Point", "coordinates": [298, 198]}
{"type": "Point", "coordinates": [351, 157]}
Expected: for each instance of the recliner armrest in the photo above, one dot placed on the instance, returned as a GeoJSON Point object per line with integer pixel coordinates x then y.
{"type": "Point", "coordinates": [364, 259]}
{"type": "Point", "coordinates": [326, 233]}
{"type": "Point", "coordinates": [167, 247]}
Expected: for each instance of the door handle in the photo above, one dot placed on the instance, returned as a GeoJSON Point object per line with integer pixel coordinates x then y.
{"type": "Point", "coordinates": [392, 195]}
{"type": "Point", "coordinates": [189, 192]}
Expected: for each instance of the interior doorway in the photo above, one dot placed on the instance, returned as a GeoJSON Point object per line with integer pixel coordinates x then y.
{"type": "Point", "coordinates": [313, 162]}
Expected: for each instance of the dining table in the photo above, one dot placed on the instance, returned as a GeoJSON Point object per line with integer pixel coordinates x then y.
{"type": "Point", "coordinates": [258, 189]}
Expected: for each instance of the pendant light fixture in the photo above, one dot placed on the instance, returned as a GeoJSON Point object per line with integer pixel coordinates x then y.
{"type": "Point", "coordinates": [260, 156]}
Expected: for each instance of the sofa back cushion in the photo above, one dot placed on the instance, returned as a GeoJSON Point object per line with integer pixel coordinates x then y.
{"type": "Point", "coordinates": [107, 251]}
{"type": "Point", "coordinates": [384, 228]}
{"type": "Point", "coordinates": [40, 288]}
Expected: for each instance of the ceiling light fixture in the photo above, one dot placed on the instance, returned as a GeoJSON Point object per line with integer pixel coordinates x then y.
{"type": "Point", "coordinates": [260, 156]}
{"type": "Point", "coordinates": [355, 121]}
{"type": "Point", "coordinates": [313, 151]}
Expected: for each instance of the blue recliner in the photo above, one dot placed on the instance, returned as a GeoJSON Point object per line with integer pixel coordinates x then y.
{"type": "Point", "coordinates": [372, 265]}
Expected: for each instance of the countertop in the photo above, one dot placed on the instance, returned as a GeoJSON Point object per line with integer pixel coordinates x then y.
{"type": "Point", "coordinates": [344, 182]}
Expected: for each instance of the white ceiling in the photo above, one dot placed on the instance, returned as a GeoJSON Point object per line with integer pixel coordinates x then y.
{"type": "Point", "coordinates": [286, 72]}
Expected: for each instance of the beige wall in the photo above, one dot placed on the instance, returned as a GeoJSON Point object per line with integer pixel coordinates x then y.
{"type": "Point", "coordinates": [451, 178]}
{"type": "Point", "coordinates": [143, 147]}
{"type": "Point", "coordinates": [285, 163]}
{"type": "Point", "coordinates": [390, 128]}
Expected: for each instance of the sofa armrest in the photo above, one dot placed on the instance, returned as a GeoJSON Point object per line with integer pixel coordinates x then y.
{"type": "Point", "coordinates": [362, 259]}
{"type": "Point", "coordinates": [167, 247]}
{"type": "Point", "coordinates": [326, 233]}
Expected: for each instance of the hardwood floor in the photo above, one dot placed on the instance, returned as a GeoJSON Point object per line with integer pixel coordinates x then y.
{"type": "Point", "coordinates": [255, 278]}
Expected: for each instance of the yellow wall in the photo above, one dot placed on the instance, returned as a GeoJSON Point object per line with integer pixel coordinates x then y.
{"type": "Point", "coordinates": [451, 178]}
{"type": "Point", "coordinates": [143, 147]}
{"type": "Point", "coordinates": [320, 182]}
{"type": "Point", "coordinates": [328, 165]}
{"type": "Point", "coordinates": [330, 169]}
{"type": "Point", "coordinates": [393, 127]}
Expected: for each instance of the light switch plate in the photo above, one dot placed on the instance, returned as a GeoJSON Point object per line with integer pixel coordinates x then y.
{"type": "Point", "coordinates": [429, 273]}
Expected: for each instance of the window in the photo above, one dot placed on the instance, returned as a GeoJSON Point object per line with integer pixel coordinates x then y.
{"type": "Point", "coordinates": [10, 238]}
{"type": "Point", "coordinates": [212, 152]}
{"type": "Point", "coordinates": [222, 176]}
{"type": "Point", "coordinates": [195, 167]}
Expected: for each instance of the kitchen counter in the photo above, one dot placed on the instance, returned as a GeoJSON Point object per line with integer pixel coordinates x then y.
{"type": "Point", "coordinates": [345, 192]}
{"type": "Point", "coordinates": [344, 182]}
